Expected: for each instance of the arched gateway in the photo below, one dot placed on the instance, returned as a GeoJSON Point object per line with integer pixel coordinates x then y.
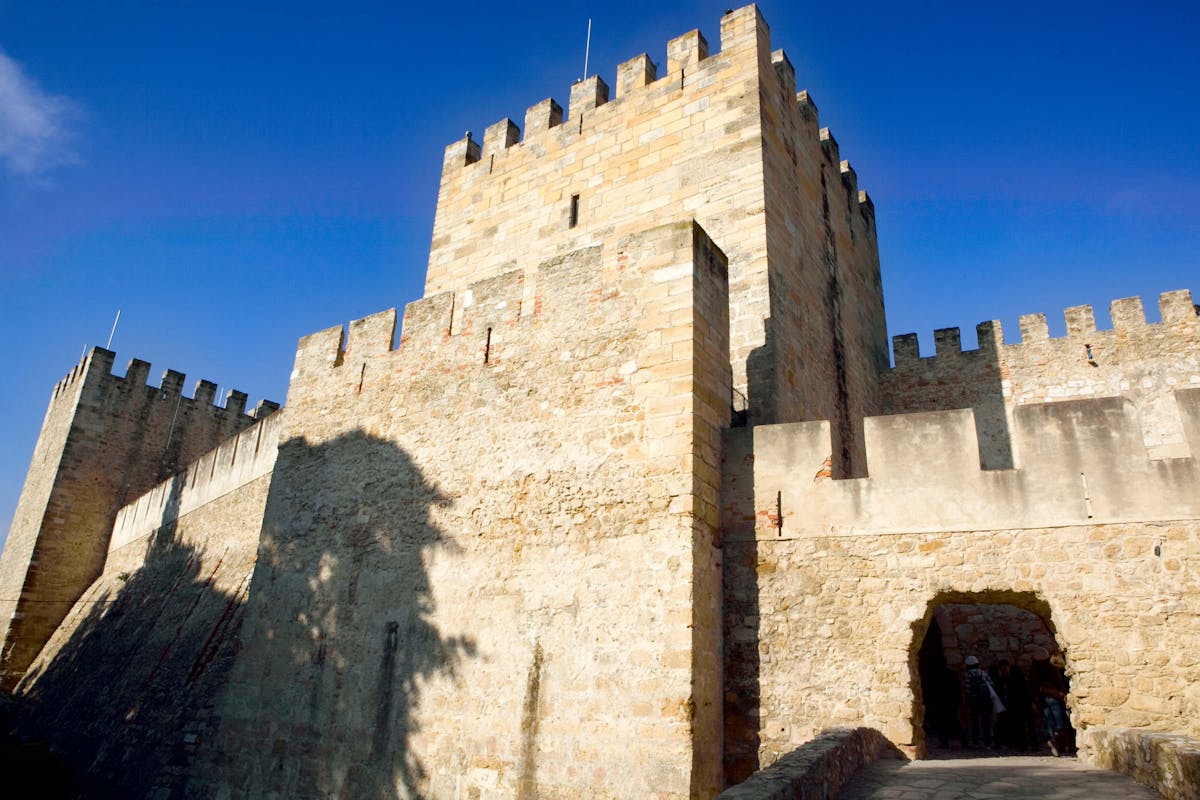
{"type": "Point", "coordinates": [1006, 633]}
{"type": "Point", "coordinates": [830, 585]}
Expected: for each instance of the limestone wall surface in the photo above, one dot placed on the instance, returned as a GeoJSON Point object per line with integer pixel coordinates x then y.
{"type": "Point", "coordinates": [22, 542]}
{"type": "Point", "coordinates": [830, 585]}
{"type": "Point", "coordinates": [720, 136]}
{"type": "Point", "coordinates": [1144, 363]}
{"type": "Point", "coordinates": [835, 622]}
{"type": "Point", "coordinates": [237, 461]}
{"type": "Point", "coordinates": [124, 688]}
{"type": "Point", "coordinates": [486, 567]}
{"type": "Point", "coordinates": [105, 440]}
{"type": "Point", "coordinates": [825, 333]}
{"type": "Point", "coordinates": [991, 632]}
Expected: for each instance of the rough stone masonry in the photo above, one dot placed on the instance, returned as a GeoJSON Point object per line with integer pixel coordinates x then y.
{"type": "Point", "coordinates": [635, 505]}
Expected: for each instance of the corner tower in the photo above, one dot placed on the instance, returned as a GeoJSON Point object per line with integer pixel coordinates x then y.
{"type": "Point", "coordinates": [724, 138]}
{"type": "Point", "coordinates": [104, 441]}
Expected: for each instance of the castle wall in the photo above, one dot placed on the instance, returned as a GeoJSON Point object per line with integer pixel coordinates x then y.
{"type": "Point", "coordinates": [105, 440]}
{"type": "Point", "coordinates": [825, 332]}
{"type": "Point", "coordinates": [125, 686]}
{"type": "Point", "coordinates": [486, 567]}
{"type": "Point", "coordinates": [830, 585]}
{"type": "Point", "coordinates": [723, 138]}
{"type": "Point", "coordinates": [1144, 363]}
{"type": "Point", "coordinates": [235, 462]}
{"type": "Point", "coordinates": [21, 545]}
{"type": "Point", "coordinates": [522, 554]}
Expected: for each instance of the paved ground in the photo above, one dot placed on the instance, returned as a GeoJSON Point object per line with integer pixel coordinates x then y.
{"type": "Point", "coordinates": [1041, 777]}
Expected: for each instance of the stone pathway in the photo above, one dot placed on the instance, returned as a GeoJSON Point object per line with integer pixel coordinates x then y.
{"type": "Point", "coordinates": [1034, 777]}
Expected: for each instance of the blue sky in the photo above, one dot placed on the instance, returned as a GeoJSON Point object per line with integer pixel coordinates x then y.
{"type": "Point", "coordinates": [233, 176]}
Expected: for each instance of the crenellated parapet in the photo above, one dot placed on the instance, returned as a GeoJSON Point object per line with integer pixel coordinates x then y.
{"type": "Point", "coordinates": [1141, 361]}
{"type": "Point", "coordinates": [721, 134]}
{"type": "Point", "coordinates": [237, 461]}
{"type": "Point", "coordinates": [442, 333]}
{"type": "Point", "coordinates": [98, 364]}
{"type": "Point", "coordinates": [1085, 463]}
{"type": "Point", "coordinates": [1179, 317]}
{"type": "Point", "coordinates": [638, 74]}
{"type": "Point", "coordinates": [586, 95]}
{"type": "Point", "coordinates": [105, 440]}
{"type": "Point", "coordinates": [602, 139]}
{"type": "Point", "coordinates": [505, 335]}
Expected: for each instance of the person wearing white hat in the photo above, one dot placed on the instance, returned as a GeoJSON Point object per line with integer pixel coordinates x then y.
{"type": "Point", "coordinates": [979, 703]}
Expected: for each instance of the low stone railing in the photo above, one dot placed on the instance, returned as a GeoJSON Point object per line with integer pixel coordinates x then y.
{"type": "Point", "coordinates": [1168, 763]}
{"type": "Point", "coordinates": [818, 769]}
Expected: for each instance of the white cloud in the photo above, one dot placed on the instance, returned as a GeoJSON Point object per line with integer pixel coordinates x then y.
{"type": "Point", "coordinates": [35, 134]}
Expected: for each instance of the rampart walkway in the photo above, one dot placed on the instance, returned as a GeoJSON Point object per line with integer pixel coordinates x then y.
{"type": "Point", "coordinates": [1032, 777]}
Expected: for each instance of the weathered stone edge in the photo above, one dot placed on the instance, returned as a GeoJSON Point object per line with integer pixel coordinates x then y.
{"type": "Point", "coordinates": [1167, 763]}
{"type": "Point", "coordinates": [818, 769]}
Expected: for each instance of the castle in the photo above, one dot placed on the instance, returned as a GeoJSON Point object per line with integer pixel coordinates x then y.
{"type": "Point", "coordinates": [637, 504]}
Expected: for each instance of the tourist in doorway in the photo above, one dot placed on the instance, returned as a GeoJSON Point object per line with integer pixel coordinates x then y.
{"type": "Point", "coordinates": [1050, 683]}
{"type": "Point", "coordinates": [980, 703]}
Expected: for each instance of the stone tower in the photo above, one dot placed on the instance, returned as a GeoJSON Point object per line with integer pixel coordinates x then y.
{"type": "Point", "coordinates": [723, 138]}
{"type": "Point", "coordinates": [615, 514]}
{"type": "Point", "coordinates": [105, 441]}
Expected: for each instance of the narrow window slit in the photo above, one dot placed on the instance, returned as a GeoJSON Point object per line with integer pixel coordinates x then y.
{"type": "Point", "coordinates": [362, 376]}
{"type": "Point", "coordinates": [574, 211]}
{"type": "Point", "coordinates": [487, 346]}
{"type": "Point", "coordinates": [491, 163]}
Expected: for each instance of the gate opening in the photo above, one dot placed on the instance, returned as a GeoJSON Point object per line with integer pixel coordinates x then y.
{"type": "Point", "coordinates": [989, 678]}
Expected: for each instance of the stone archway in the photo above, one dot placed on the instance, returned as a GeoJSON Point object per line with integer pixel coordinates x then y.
{"type": "Point", "coordinates": [992, 626]}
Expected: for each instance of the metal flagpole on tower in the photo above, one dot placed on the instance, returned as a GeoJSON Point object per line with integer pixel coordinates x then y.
{"type": "Point", "coordinates": [113, 331]}
{"type": "Point", "coordinates": [587, 48]}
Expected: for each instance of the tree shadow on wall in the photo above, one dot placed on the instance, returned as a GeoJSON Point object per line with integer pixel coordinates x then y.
{"type": "Point", "coordinates": [339, 638]}
{"type": "Point", "coordinates": [122, 701]}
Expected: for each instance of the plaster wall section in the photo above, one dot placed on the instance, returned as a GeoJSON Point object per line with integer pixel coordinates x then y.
{"type": "Point", "coordinates": [1087, 463]}
{"type": "Point", "coordinates": [1143, 362]}
{"type": "Point", "coordinates": [698, 137]}
{"type": "Point", "coordinates": [485, 552]}
{"type": "Point", "coordinates": [1096, 538]}
{"type": "Point", "coordinates": [107, 440]}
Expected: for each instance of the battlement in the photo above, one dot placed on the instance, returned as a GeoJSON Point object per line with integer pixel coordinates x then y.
{"type": "Point", "coordinates": [1085, 464]}
{"type": "Point", "coordinates": [1178, 316]}
{"type": "Point", "coordinates": [104, 440]}
{"type": "Point", "coordinates": [97, 365]}
{"type": "Point", "coordinates": [744, 33]}
{"type": "Point", "coordinates": [445, 332]}
{"type": "Point", "coordinates": [1140, 361]}
{"type": "Point", "coordinates": [684, 53]}
{"type": "Point", "coordinates": [234, 463]}
{"type": "Point", "coordinates": [722, 135]}
{"type": "Point", "coordinates": [604, 143]}
{"type": "Point", "coordinates": [500, 323]}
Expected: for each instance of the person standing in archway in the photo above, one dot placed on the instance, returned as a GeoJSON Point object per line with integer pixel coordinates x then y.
{"type": "Point", "coordinates": [1050, 685]}
{"type": "Point", "coordinates": [979, 703]}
